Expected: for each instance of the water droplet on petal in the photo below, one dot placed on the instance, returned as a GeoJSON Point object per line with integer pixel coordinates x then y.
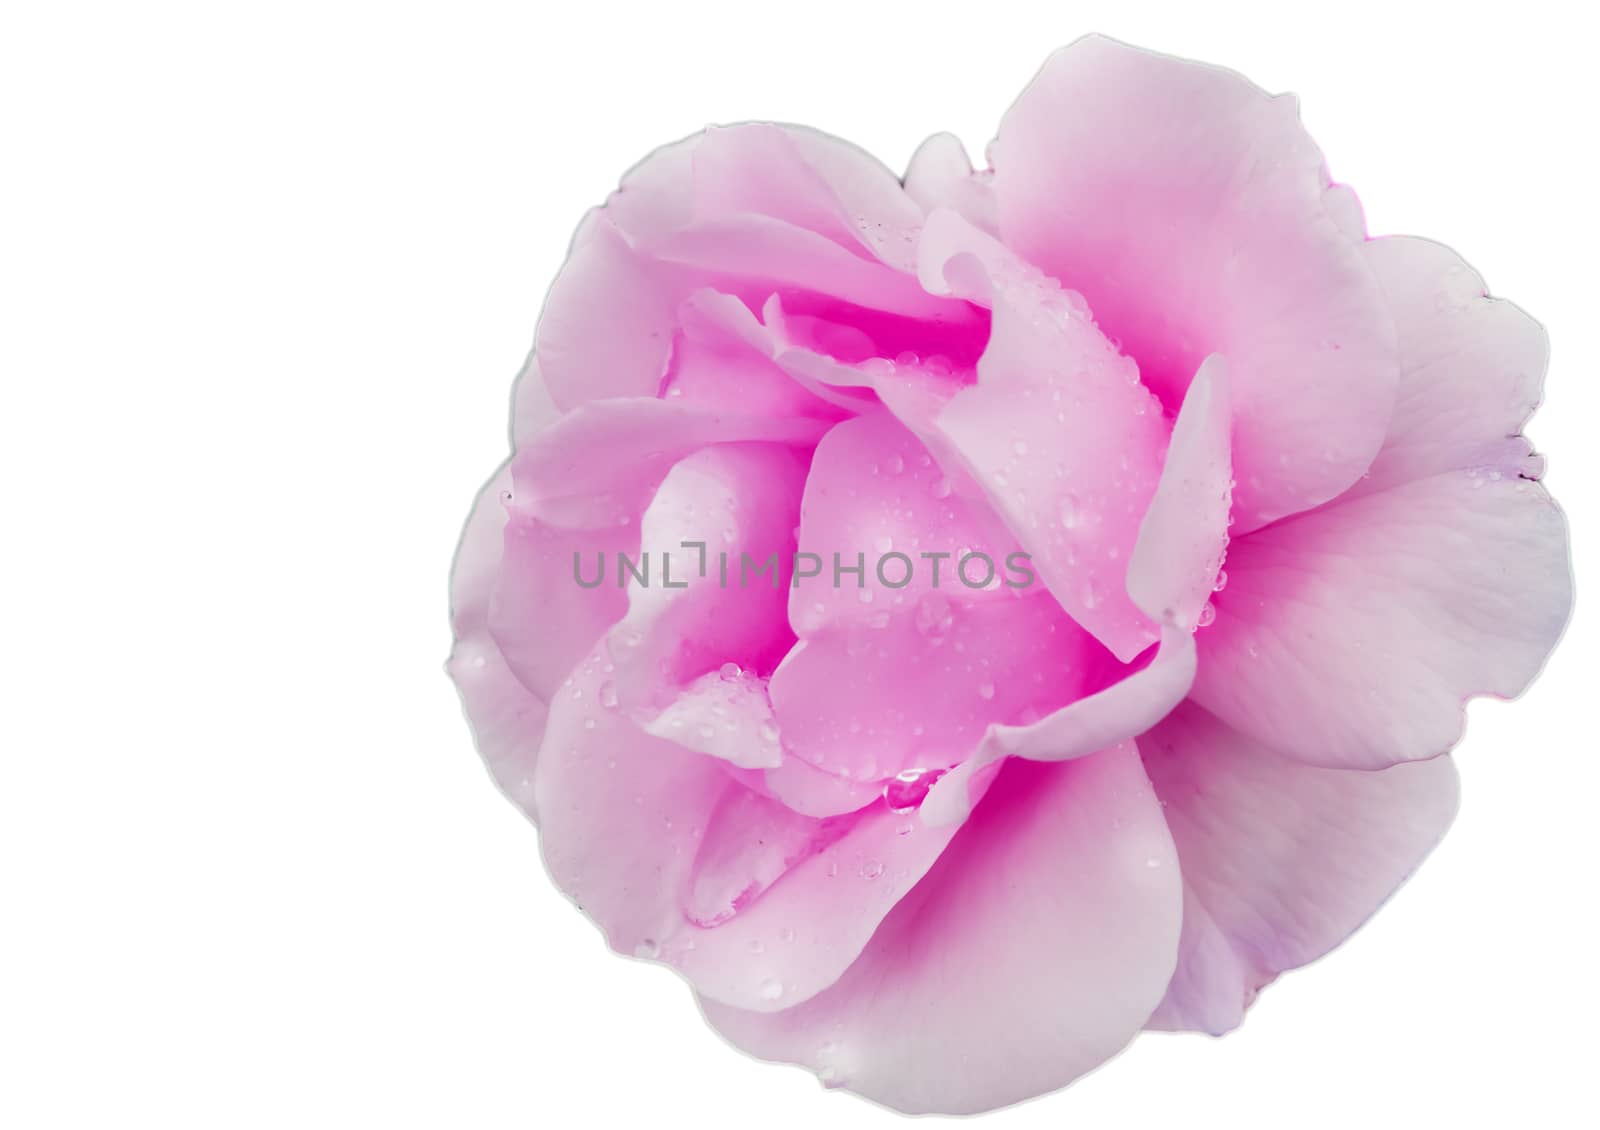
{"type": "Point", "coordinates": [1221, 582]}
{"type": "Point", "coordinates": [730, 672]}
{"type": "Point", "coordinates": [906, 790]}
{"type": "Point", "coordinates": [771, 989]}
{"type": "Point", "coordinates": [934, 616]}
{"type": "Point", "coordinates": [647, 949]}
{"type": "Point", "coordinates": [1208, 613]}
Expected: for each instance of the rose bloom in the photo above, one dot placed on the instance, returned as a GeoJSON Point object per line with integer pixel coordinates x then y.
{"type": "Point", "coordinates": [947, 844]}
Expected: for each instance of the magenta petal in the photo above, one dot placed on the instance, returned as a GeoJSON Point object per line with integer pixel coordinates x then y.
{"type": "Point", "coordinates": [1032, 951]}
{"type": "Point", "coordinates": [926, 683]}
{"type": "Point", "coordinates": [1353, 636]}
{"type": "Point", "coordinates": [1281, 861]}
{"type": "Point", "coordinates": [1094, 722]}
{"type": "Point", "coordinates": [1186, 205]}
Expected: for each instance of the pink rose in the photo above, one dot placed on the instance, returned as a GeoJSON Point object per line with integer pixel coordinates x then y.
{"type": "Point", "coordinates": [1046, 594]}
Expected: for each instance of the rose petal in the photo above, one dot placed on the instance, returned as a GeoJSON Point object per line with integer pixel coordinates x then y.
{"type": "Point", "coordinates": [1096, 721]}
{"type": "Point", "coordinates": [628, 820]}
{"type": "Point", "coordinates": [1058, 432]}
{"type": "Point", "coordinates": [1281, 861]}
{"type": "Point", "coordinates": [1353, 636]}
{"type": "Point", "coordinates": [1184, 534]}
{"type": "Point", "coordinates": [983, 986]}
{"type": "Point", "coordinates": [507, 719]}
{"type": "Point", "coordinates": [941, 176]}
{"type": "Point", "coordinates": [1471, 368]}
{"type": "Point", "coordinates": [715, 511]}
{"type": "Point", "coordinates": [1186, 205]}
{"type": "Point", "coordinates": [919, 691]}
{"type": "Point", "coordinates": [600, 464]}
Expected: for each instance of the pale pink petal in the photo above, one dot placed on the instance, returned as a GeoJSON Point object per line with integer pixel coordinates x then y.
{"type": "Point", "coordinates": [750, 210]}
{"type": "Point", "coordinates": [815, 792]}
{"type": "Point", "coordinates": [1471, 367]}
{"type": "Point", "coordinates": [941, 176]}
{"type": "Point", "coordinates": [1353, 636]}
{"type": "Point", "coordinates": [1059, 433]}
{"type": "Point", "coordinates": [810, 180]}
{"type": "Point", "coordinates": [1184, 535]}
{"type": "Point", "coordinates": [677, 861]}
{"type": "Point", "coordinates": [1281, 861]}
{"type": "Point", "coordinates": [532, 409]}
{"type": "Point", "coordinates": [776, 255]}
{"type": "Point", "coordinates": [1187, 206]}
{"type": "Point", "coordinates": [717, 514]}
{"type": "Point", "coordinates": [725, 714]}
{"type": "Point", "coordinates": [983, 986]}
{"type": "Point", "coordinates": [507, 718]}
{"type": "Point", "coordinates": [810, 894]}
{"type": "Point", "coordinates": [600, 464]}
{"type": "Point", "coordinates": [606, 327]}
{"type": "Point", "coordinates": [555, 595]}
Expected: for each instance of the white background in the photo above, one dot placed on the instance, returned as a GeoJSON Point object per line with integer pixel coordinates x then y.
{"type": "Point", "coordinates": [265, 276]}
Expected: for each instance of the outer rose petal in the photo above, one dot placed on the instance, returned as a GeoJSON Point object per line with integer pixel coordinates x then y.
{"type": "Point", "coordinates": [1471, 368]}
{"type": "Point", "coordinates": [1352, 636]}
{"type": "Point", "coordinates": [600, 464]}
{"type": "Point", "coordinates": [507, 718]}
{"type": "Point", "coordinates": [941, 176]}
{"type": "Point", "coordinates": [1186, 205]}
{"type": "Point", "coordinates": [1032, 951]}
{"type": "Point", "coordinates": [630, 826]}
{"type": "Point", "coordinates": [1280, 861]}
{"type": "Point", "coordinates": [749, 209]}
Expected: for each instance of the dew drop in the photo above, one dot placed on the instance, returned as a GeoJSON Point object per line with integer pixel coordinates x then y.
{"type": "Point", "coordinates": [1221, 582]}
{"type": "Point", "coordinates": [647, 949]}
{"type": "Point", "coordinates": [1208, 613]}
{"type": "Point", "coordinates": [907, 789]}
{"type": "Point", "coordinates": [608, 696]}
{"type": "Point", "coordinates": [771, 989]}
{"type": "Point", "coordinates": [934, 616]}
{"type": "Point", "coordinates": [730, 672]}
{"type": "Point", "coordinates": [871, 869]}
